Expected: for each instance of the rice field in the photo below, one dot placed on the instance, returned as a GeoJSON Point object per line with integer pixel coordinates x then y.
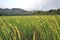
{"type": "Point", "coordinates": [30, 27]}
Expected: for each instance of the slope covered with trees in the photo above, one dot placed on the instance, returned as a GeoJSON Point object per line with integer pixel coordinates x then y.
{"type": "Point", "coordinates": [17, 11]}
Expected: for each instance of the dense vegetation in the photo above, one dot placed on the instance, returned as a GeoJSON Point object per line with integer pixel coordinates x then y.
{"type": "Point", "coordinates": [30, 27]}
{"type": "Point", "coordinates": [50, 12]}
{"type": "Point", "coordinates": [17, 11]}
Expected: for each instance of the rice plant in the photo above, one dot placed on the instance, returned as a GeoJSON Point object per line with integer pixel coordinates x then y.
{"type": "Point", "coordinates": [30, 27]}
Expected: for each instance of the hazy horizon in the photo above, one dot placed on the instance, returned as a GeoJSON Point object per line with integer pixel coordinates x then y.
{"type": "Point", "coordinates": [30, 4]}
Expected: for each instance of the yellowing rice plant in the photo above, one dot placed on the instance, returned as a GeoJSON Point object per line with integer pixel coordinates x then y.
{"type": "Point", "coordinates": [30, 27]}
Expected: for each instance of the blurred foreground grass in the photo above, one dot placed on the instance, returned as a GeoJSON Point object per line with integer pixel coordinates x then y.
{"type": "Point", "coordinates": [30, 27]}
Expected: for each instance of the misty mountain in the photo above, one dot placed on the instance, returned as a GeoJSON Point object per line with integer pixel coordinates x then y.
{"type": "Point", "coordinates": [17, 12]}
{"type": "Point", "coordinates": [13, 11]}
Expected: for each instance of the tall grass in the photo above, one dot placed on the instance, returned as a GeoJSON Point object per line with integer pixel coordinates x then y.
{"type": "Point", "coordinates": [30, 27]}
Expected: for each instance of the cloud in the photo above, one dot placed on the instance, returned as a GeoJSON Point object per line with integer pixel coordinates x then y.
{"type": "Point", "coordinates": [24, 4]}
{"type": "Point", "coordinates": [32, 4]}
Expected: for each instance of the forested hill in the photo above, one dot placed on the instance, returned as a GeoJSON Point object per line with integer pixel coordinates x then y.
{"type": "Point", "coordinates": [13, 11]}
{"type": "Point", "coordinates": [17, 12]}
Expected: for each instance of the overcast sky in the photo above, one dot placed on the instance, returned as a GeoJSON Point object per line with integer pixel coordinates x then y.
{"type": "Point", "coordinates": [30, 4]}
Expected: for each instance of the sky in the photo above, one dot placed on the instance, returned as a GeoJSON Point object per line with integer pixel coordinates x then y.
{"type": "Point", "coordinates": [30, 4]}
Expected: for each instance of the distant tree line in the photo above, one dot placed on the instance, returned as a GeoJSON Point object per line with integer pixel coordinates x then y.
{"type": "Point", "coordinates": [50, 12]}
{"type": "Point", "coordinates": [17, 11]}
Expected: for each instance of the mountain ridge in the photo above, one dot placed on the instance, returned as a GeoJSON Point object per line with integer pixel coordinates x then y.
{"type": "Point", "coordinates": [13, 11]}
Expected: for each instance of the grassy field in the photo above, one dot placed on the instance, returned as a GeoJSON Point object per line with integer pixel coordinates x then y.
{"type": "Point", "coordinates": [30, 27]}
